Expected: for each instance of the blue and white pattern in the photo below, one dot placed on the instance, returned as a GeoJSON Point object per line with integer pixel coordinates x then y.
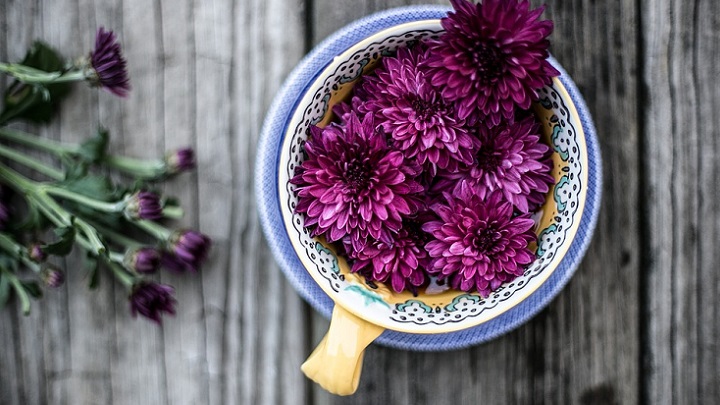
{"type": "Point", "coordinates": [267, 193]}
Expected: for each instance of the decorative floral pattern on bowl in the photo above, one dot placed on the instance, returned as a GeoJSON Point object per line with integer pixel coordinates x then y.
{"type": "Point", "coordinates": [437, 309]}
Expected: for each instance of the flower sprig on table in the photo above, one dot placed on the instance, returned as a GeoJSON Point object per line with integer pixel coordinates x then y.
{"type": "Point", "coordinates": [47, 211]}
{"type": "Point", "coordinates": [435, 165]}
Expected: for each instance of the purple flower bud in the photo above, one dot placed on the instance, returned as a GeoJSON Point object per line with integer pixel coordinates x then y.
{"type": "Point", "coordinates": [36, 253]}
{"type": "Point", "coordinates": [144, 205]}
{"type": "Point", "coordinates": [180, 160]}
{"type": "Point", "coordinates": [151, 300]}
{"type": "Point", "coordinates": [144, 260]}
{"type": "Point", "coordinates": [52, 277]}
{"type": "Point", "coordinates": [109, 68]}
{"type": "Point", "coordinates": [188, 249]}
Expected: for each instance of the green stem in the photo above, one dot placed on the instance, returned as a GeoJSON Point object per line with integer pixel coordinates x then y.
{"type": "Point", "coordinates": [81, 199]}
{"type": "Point", "coordinates": [153, 228]}
{"type": "Point", "coordinates": [31, 163]}
{"type": "Point", "coordinates": [117, 237]}
{"type": "Point", "coordinates": [18, 251]}
{"type": "Point", "coordinates": [145, 169]}
{"type": "Point", "coordinates": [35, 141]}
{"type": "Point", "coordinates": [126, 279]}
{"type": "Point", "coordinates": [28, 74]}
{"type": "Point", "coordinates": [20, 291]}
{"type": "Point", "coordinates": [35, 194]}
{"type": "Point", "coordinates": [173, 212]}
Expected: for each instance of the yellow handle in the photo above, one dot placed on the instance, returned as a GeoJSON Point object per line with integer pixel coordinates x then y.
{"type": "Point", "coordinates": [336, 363]}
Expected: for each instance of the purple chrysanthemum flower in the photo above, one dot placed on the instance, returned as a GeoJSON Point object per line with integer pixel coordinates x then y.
{"type": "Point", "coordinates": [144, 205]}
{"type": "Point", "coordinates": [109, 68]}
{"type": "Point", "coordinates": [151, 300]}
{"type": "Point", "coordinates": [181, 160]}
{"type": "Point", "coordinates": [52, 277]}
{"type": "Point", "coordinates": [188, 250]}
{"type": "Point", "coordinates": [422, 124]}
{"type": "Point", "coordinates": [144, 260]}
{"type": "Point", "coordinates": [511, 159]}
{"type": "Point", "coordinates": [492, 57]}
{"type": "Point", "coordinates": [478, 245]}
{"type": "Point", "coordinates": [352, 183]}
{"type": "Point", "coordinates": [401, 263]}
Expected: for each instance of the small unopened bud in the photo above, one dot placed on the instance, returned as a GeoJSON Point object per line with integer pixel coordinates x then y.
{"type": "Point", "coordinates": [145, 260]}
{"type": "Point", "coordinates": [143, 205]}
{"type": "Point", "coordinates": [52, 277]}
{"type": "Point", "coordinates": [36, 253]}
{"type": "Point", "coordinates": [180, 160]}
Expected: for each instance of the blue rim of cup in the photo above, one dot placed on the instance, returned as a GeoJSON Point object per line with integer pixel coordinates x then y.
{"type": "Point", "coordinates": [266, 191]}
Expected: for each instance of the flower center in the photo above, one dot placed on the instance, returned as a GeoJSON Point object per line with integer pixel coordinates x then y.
{"type": "Point", "coordinates": [488, 61]}
{"type": "Point", "coordinates": [357, 174]}
{"type": "Point", "coordinates": [426, 109]}
{"type": "Point", "coordinates": [486, 240]}
{"type": "Point", "coordinates": [488, 158]}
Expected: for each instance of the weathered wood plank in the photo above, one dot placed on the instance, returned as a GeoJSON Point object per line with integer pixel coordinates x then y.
{"type": "Point", "coordinates": [585, 346]}
{"type": "Point", "coordinates": [681, 224]}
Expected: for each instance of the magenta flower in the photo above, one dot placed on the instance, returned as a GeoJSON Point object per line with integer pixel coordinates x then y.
{"type": "Point", "coordinates": [422, 124]}
{"type": "Point", "coordinates": [52, 277]}
{"type": "Point", "coordinates": [478, 245]}
{"type": "Point", "coordinates": [352, 183]}
{"type": "Point", "coordinates": [144, 205]}
{"type": "Point", "coordinates": [109, 68]}
{"type": "Point", "coordinates": [512, 159]}
{"type": "Point", "coordinates": [401, 263]}
{"type": "Point", "coordinates": [145, 260]}
{"type": "Point", "coordinates": [151, 300]}
{"type": "Point", "coordinates": [181, 160]}
{"type": "Point", "coordinates": [492, 57]}
{"type": "Point", "coordinates": [188, 250]}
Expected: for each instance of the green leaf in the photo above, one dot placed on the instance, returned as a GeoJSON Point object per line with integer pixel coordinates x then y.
{"type": "Point", "coordinates": [32, 288]}
{"type": "Point", "coordinates": [4, 290]}
{"type": "Point", "coordinates": [95, 186]}
{"type": "Point", "coordinates": [94, 149]}
{"type": "Point", "coordinates": [64, 244]}
{"type": "Point", "coordinates": [33, 220]}
{"type": "Point", "coordinates": [36, 103]}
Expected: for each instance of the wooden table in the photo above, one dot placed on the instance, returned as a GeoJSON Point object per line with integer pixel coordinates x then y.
{"type": "Point", "coordinates": [639, 322]}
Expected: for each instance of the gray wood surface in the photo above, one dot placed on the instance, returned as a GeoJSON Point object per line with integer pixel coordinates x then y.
{"type": "Point", "coordinates": [638, 323]}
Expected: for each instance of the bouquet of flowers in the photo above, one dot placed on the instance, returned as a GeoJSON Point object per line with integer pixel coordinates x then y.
{"type": "Point", "coordinates": [46, 210]}
{"type": "Point", "coordinates": [435, 165]}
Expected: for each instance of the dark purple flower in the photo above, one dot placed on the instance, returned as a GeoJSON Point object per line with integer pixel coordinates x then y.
{"type": "Point", "coordinates": [180, 160]}
{"type": "Point", "coordinates": [401, 263]}
{"type": "Point", "coordinates": [511, 159]}
{"type": "Point", "coordinates": [478, 245]}
{"type": "Point", "coordinates": [151, 300]}
{"type": "Point", "coordinates": [492, 57]}
{"type": "Point", "coordinates": [144, 205]}
{"type": "Point", "coordinates": [144, 260]}
{"type": "Point", "coordinates": [422, 124]}
{"type": "Point", "coordinates": [352, 183]}
{"type": "Point", "coordinates": [188, 250]}
{"type": "Point", "coordinates": [36, 253]}
{"type": "Point", "coordinates": [109, 68]}
{"type": "Point", "coordinates": [52, 276]}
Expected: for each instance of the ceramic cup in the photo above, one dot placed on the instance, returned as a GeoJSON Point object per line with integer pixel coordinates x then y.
{"type": "Point", "coordinates": [437, 318]}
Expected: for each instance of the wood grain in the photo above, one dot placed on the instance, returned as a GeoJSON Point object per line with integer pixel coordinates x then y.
{"type": "Point", "coordinates": [681, 225]}
{"type": "Point", "coordinates": [638, 323]}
